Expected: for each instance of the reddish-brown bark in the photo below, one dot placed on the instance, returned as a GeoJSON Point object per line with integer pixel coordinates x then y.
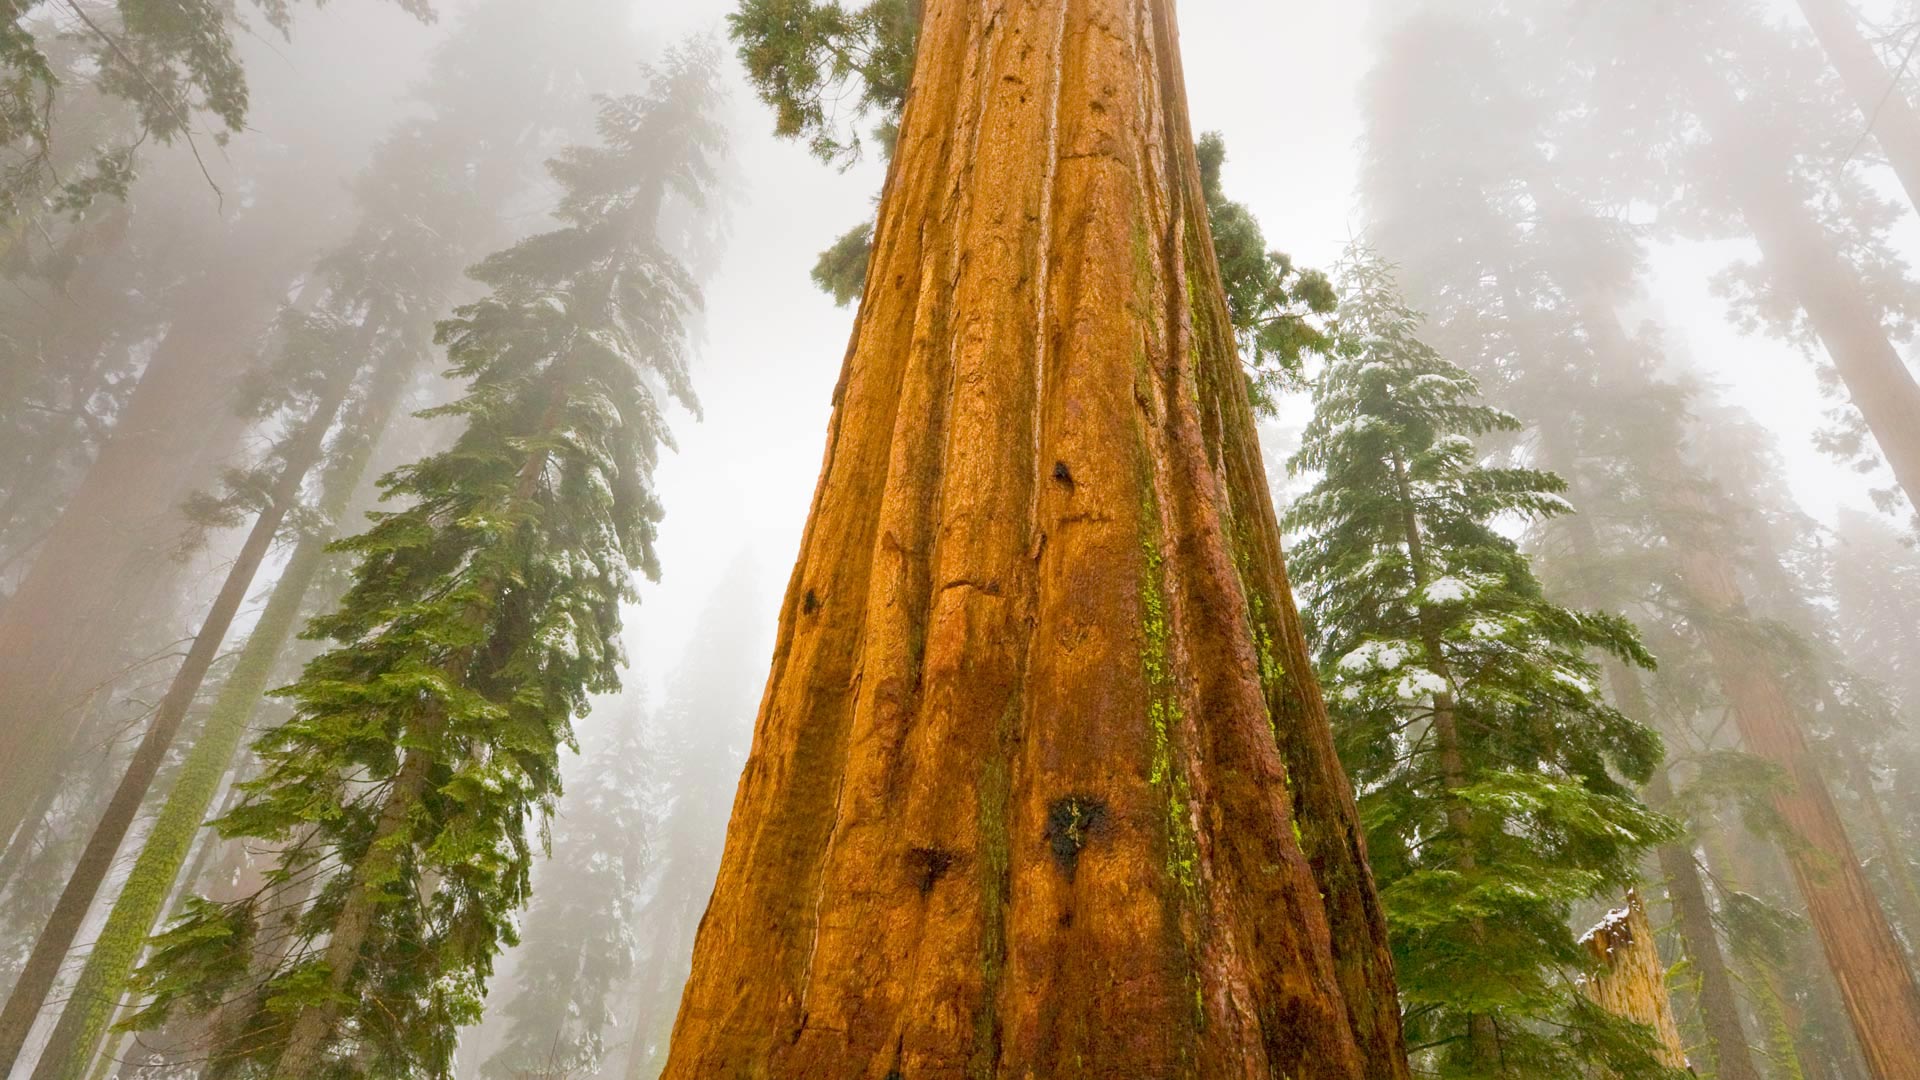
{"type": "Point", "coordinates": [1867, 962]}
{"type": "Point", "coordinates": [1016, 805]}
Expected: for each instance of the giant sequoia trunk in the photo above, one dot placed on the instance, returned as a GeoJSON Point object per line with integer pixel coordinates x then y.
{"type": "Point", "coordinates": [1016, 806]}
{"type": "Point", "coordinates": [1867, 962]}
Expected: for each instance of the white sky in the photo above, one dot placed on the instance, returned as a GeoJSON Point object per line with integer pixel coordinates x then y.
{"type": "Point", "coordinates": [1278, 78]}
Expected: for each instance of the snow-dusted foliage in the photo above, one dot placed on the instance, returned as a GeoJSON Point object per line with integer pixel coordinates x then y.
{"type": "Point", "coordinates": [1495, 781]}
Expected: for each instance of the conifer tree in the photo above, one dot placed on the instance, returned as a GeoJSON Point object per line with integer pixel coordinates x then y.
{"type": "Point", "coordinates": [1496, 780]}
{"type": "Point", "coordinates": [425, 746]}
{"type": "Point", "coordinates": [1528, 281]}
{"type": "Point", "coordinates": [429, 203]}
{"type": "Point", "coordinates": [171, 62]}
{"type": "Point", "coordinates": [807, 58]}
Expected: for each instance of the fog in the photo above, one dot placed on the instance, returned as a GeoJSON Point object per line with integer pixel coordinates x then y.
{"type": "Point", "coordinates": [266, 281]}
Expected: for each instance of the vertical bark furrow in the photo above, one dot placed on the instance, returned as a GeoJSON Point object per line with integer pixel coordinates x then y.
{"type": "Point", "coordinates": [1062, 840]}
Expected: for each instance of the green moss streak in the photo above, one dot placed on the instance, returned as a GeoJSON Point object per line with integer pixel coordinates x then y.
{"type": "Point", "coordinates": [1163, 708]}
{"type": "Point", "coordinates": [118, 948]}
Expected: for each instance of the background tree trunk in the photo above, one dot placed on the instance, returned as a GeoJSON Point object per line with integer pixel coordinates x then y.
{"type": "Point", "coordinates": [1630, 980]}
{"type": "Point", "coordinates": [1016, 804]}
{"type": "Point", "coordinates": [96, 860]}
{"type": "Point", "coordinates": [106, 562]}
{"type": "Point", "coordinates": [1802, 258]}
{"type": "Point", "coordinates": [89, 1008]}
{"type": "Point", "coordinates": [1883, 103]}
{"type": "Point", "coordinates": [1867, 961]}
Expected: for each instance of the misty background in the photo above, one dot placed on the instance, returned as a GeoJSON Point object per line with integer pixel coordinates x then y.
{"type": "Point", "coordinates": [1280, 80]}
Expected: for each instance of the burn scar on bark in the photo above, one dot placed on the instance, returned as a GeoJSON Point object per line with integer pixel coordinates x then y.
{"type": "Point", "coordinates": [1072, 823]}
{"type": "Point", "coordinates": [927, 865]}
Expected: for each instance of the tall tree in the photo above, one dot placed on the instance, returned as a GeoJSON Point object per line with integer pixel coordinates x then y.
{"type": "Point", "coordinates": [430, 201]}
{"type": "Point", "coordinates": [426, 744]}
{"type": "Point", "coordinates": [1886, 112]}
{"type": "Point", "coordinates": [1497, 779]}
{"type": "Point", "coordinates": [171, 62]}
{"type": "Point", "coordinates": [1739, 144]}
{"type": "Point", "coordinates": [1554, 290]}
{"type": "Point", "coordinates": [302, 452]}
{"type": "Point", "coordinates": [1040, 718]}
{"type": "Point", "coordinates": [806, 57]}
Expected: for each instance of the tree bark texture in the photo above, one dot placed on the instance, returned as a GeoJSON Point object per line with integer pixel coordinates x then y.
{"type": "Point", "coordinates": [1630, 981]}
{"type": "Point", "coordinates": [1017, 804]}
{"type": "Point", "coordinates": [1867, 961]}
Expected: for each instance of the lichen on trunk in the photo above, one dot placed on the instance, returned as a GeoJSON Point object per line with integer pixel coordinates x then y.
{"type": "Point", "coordinates": [1015, 804]}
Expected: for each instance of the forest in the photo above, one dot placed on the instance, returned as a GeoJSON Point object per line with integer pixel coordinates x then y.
{"type": "Point", "coordinates": [1357, 541]}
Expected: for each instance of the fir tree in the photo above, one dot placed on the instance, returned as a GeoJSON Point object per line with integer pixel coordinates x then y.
{"type": "Point", "coordinates": [425, 746]}
{"type": "Point", "coordinates": [1494, 778]}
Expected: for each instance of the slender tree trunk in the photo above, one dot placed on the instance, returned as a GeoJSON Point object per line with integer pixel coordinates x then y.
{"type": "Point", "coordinates": [1015, 805]}
{"type": "Point", "coordinates": [22, 843]}
{"type": "Point", "coordinates": [1727, 1045]}
{"type": "Point", "coordinates": [96, 860]}
{"type": "Point", "coordinates": [1883, 103]}
{"type": "Point", "coordinates": [1802, 257]}
{"type": "Point", "coordinates": [1483, 1037]}
{"type": "Point", "coordinates": [90, 1007]}
{"type": "Point", "coordinates": [1867, 962]}
{"type": "Point", "coordinates": [1686, 892]}
{"type": "Point", "coordinates": [1630, 981]}
{"type": "Point", "coordinates": [313, 1025]}
{"type": "Point", "coordinates": [108, 558]}
{"type": "Point", "coordinates": [1906, 896]}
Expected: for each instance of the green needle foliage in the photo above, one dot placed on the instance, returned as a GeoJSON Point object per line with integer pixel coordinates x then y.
{"type": "Point", "coordinates": [1493, 778]}
{"type": "Point", "coordinates": [172, 62]}
{"type": "Point", "coordinates": [806, 59]}
{"type": "Point", "coordinates": [1276, 307]}
{"type": "Point", "coordinates": [409, 788]}
{"type": "Point", "coordinates": [825, 70]}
